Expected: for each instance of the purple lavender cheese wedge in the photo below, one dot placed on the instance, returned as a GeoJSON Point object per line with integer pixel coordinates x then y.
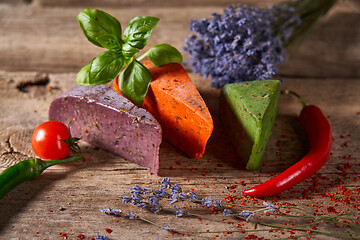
{"type": "Point", "coordinates": [100, 116]}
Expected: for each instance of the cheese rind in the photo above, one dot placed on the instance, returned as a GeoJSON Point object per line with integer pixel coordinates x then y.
{"type": "Point", "coordinates": [248, 111]}
{"type": "Point", "coordinates": [100, 116]}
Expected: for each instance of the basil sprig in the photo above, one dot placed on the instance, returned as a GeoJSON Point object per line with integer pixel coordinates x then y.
{"type": "Point", "coordinates": [105, 31]}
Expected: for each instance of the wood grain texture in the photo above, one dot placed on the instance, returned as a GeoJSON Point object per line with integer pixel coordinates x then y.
{"type": "Point", "coordinates": [42, 48]}
{"type": "Point", "coordinates": [45, 36]}
{"type": "Point", "coordinates": [66, 198]}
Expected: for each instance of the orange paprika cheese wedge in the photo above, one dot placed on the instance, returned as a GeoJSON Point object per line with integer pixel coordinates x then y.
{"type": "Point", "coordinates": [179, 108]}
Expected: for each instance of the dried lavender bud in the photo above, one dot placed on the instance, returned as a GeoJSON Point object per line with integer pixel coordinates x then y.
{"type": "Point", "coordinates": [168, 228]}
{"type": "Point", "coordinates": [175, 188]}
{"type": "Point", "coordinates": [208, 202]}
{"type": "Point", "coordinates": [228, 212]}
{"type": "Point", "coordinates": [246, 214]}
{"type": "Point", "coordinates": [132, 216]}
{"type": "Point", "coordinates": [98, 236]}
{"type": "Point", "coordinates": [179, 212]}
{"type": "Point", "coordinates": [165, 183]}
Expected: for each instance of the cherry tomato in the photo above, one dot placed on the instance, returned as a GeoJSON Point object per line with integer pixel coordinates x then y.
{"type": "Point", "coordinates": [46, 140]}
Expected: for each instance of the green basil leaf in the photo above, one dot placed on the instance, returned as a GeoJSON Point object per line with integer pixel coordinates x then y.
{"type": "Point", "coordinates": [139, 30]}
{"type": "Point", "coordinates": [94, 23]}
{"type": "Point", "coordinates": [109, 41]}
{"type": "Point", "coordinates": [129, 51]}
{"type": "Point", "coordinates": [82, 77]}
{"type": "Point", "coordinates": [134, 82]}
{"type": "Point", "coordinates": [163, 54]}
{"type": "Point", "coordinates": [105, 67]}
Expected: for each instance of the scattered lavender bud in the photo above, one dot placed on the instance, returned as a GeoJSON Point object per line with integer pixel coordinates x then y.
{"type": "Point", "coordinates": [228, 212]}
{"type": "Point", "coordinates": [183, 196]}
{"type": "Point", "coordinates": [165, 183]}
{"type": "Point", "coordinates": [135, 199]}
{"type": "Point", "coordinates": [208, 202]}
{"type": "Point", "coordinates": [271, 208]}
{"type": "Point", "coordinates": [161, 193]}
{"type": "Point", "coordinates": [174, 199]}
{"type": "Point", "coordinates": [218, 204]}
{"type": "Point", "coordinates": [175, 188]}
{"type": "Point", "coordinates": [136, 190]}
{"type": "Point", "coordinates": [142, 204]}
{"type": "Point", "coordinates": [105, 210]}
{"type": "Point", "coordinates": [146, 191]}
{"type": "Point", "coordinates": [246, 214]}
{"type": "Point", "coordinates": [116, 212]}
{"type": "Point", "coordinates": [132, 215]}
{"type": "Point", "coordinates": [193, 195]}
{"type": "Point", "coordinates": [179, 212]}
{"type": "Point", "coordinates": [98, 236]}
{"type": "Point", "coordinates": [126, 199]}
{"type": "Point", "coordinates": [168, 228]}
{"type": "Point", "coordinates": [155, 207]}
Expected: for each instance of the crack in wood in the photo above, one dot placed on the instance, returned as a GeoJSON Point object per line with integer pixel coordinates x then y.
{"type": "Point", "coordinates": [41, 79]}
{"type": "Point", "coordinates": [12, 150]}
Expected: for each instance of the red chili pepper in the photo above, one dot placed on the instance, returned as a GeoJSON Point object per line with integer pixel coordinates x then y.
{"type": "Point", "coordinates": [318, 130]}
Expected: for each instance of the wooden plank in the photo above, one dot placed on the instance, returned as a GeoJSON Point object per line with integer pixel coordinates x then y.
{"type": "Point", "coordinates": [41, 50]}
{"type": "Point", "coordinates": [137, 3]}
{"type": "Point", "coordinates": [66, 198]}
{"type": "Point", "coordinates": [48, 39]}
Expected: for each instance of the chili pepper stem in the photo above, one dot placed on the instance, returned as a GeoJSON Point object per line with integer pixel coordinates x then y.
{"type": "Point", "coordinates": [301, 100]}
{"type": "Point", "coordinates": [49, 163]}
{"type": "Point", "coordinates": [27, 169]}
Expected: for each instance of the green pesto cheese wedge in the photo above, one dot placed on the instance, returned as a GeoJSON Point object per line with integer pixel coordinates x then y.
{"type": "Point", "coordinates": [248, 111]}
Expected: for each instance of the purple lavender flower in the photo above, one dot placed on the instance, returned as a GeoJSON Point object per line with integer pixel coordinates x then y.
{"type": "Point", "coordinates": [135, 199]}
{"type": "Point", "coordinates": [109, 211]}
{"type": "Point", "coordinates": [228, 212]}
{"type": "Point", "coordinates": [183, 196]}
{"type": "Point", "coordinates": [160, 193]}
{"type": "Point", "coordinates": [105, 210]}
{"type": "Point", "coordinates": [126, 199]}
{"type": "Point", "coordinates": [179, 212]}
{"type": "Point", "coordinates": [165, 183]}
{"type": "Point", "coordinates": [155, 207]}
{"type": "Point", "coordinates": [136, 190]}
{"type": "Point", "coordinates": [175, 188]}
{"type": "Point", "coordinates": [208, 202]}
{"type": "Point", "coordinates": [168, 228]}
{"type": "Point", "coordinates": [142, 204]}
{"type": "Point", "coordinates": [98, 236]}
{"type": "Point", "coordinates": [132, 216]}
{"type": "Point", "coordinates": [174, 199]}
{"type": "Point", "coordinates": [241, 45]}
{"type": "Point", "coordinates": [116, 212]}
{"type": "Point", "coordinates": [246, 214]}
{"type": "Point", "coordinates": [270, 208]}
{"type": "Point", "coordinates": [218, 204]}
{"type": "Point", "coordinates": [193, 195]}
{"type": "Point", "coordinates": [146, 191]}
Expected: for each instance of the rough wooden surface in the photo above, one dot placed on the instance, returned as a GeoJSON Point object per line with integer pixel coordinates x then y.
{"type": "Point", "coordinates": [41, 50]}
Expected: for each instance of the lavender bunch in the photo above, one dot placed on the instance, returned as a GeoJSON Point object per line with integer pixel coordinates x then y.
{"type": "Point", "coordinates": [154, 199]}
{"type": "Point", "coordinates": [248, 43]}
